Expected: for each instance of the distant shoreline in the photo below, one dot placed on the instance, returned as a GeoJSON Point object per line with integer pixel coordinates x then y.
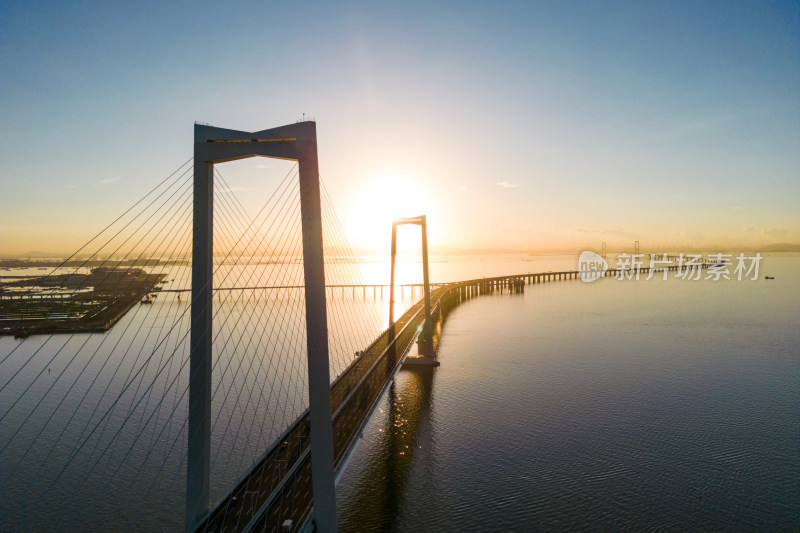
{"type": "Point", "coordinates": [23, 261]}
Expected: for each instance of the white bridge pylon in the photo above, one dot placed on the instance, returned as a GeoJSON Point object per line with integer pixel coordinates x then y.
{"type": "Point", "coordinates": [297, 142]}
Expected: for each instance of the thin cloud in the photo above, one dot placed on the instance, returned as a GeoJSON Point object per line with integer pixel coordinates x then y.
{"type": "Point", "coordinates": [618, 232]}
{"type": "Point", "coordinates": [107, 181]}
{"type": "Point", "coordinates": [462, 188]}
{"type": "Point", "coordinates": [506, 185]}
{"type": "Point", "coordinates": [749, 230]}
{"type": "Point", "coordinates": [776, 233]}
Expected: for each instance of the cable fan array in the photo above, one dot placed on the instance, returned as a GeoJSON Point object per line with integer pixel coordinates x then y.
{"type": "Point", "coordinates": [93, 425]}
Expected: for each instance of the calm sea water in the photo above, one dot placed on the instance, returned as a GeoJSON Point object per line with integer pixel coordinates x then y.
{"type": "Point", "coordinates": [638, 405]}
{"type": "Point", "coordinates": [93, 426]}
{"type": "Point", "coordinates": [616, 405]}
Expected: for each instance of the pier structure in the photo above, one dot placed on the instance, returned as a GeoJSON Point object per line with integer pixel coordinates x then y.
{"type": "Point", "coordinates": [353, 290]}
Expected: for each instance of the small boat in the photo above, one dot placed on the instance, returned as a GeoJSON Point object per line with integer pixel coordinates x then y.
{"type": "Point", "coordinates": [769, 277]}
{"type": "Point", "coordinates": [147, 299]}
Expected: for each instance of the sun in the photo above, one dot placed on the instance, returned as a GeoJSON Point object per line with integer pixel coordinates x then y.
{"type": "Point", "coordinates": [380, 200]}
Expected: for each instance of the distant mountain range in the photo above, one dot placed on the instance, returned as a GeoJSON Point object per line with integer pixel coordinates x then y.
{"type": "Point", "coordinates": [37, 254]}
{"type": "Point", "coordinates": [780, 247]}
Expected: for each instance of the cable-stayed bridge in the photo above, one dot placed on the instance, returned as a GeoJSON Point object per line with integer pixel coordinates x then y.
{"type": "Point", "coordinates": [197, 367]}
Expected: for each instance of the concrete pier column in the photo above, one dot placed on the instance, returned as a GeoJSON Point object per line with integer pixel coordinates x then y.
{"type": "Point", "coordinates": [322, 463]}
{"type": "Point", "coordinates": [198, 458]}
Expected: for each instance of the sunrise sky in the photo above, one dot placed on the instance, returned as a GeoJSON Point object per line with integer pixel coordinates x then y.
{"type": "Point", "coordinates": [512, 125]}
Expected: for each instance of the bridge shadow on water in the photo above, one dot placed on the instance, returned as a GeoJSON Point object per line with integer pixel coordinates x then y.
{"type": "Point", "coordinates": [404, 430]}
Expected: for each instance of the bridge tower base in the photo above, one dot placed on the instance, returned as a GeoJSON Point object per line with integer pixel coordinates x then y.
{"type": "Point", "coordinates": [420, 360]}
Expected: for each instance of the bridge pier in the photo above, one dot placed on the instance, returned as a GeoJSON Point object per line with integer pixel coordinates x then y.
{"type": "Point", "coordinates": [198, 461]}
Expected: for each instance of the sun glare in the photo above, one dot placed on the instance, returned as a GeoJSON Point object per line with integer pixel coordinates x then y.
{"type": "Point", "coordinates": [387, 197]}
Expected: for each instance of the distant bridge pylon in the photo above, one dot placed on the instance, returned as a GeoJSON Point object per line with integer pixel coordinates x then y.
{"type": "Point", "coordinates": [426, 352]}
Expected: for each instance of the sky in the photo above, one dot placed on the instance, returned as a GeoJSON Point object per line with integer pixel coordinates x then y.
{"type": "Point", "coordinates": [518, 126]}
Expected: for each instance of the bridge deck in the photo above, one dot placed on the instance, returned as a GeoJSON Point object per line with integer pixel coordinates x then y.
{"type": "Point", "coordinates": [279, 485]}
